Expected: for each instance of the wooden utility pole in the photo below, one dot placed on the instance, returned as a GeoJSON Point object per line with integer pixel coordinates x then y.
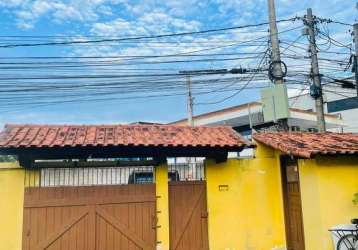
{"type": "Point", "coordinates": [275, 55]}
{"type": "Point", "coordinates": [190, 102]}
{"type": "Point", "coordinates": [310, 23]}
{"type": "Point", "coordinates": [355, 28]}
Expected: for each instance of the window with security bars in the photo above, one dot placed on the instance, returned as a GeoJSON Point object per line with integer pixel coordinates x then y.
{"type": "Point", "coordinates": [89, 176]}
{"type": "Point", "coordinates": [194, 171]}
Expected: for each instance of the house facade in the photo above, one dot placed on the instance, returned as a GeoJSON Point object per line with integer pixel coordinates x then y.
{"type": "Point", "coordinates": [288, 196]}
{"type": "Point", "coordinates": [319, 174]}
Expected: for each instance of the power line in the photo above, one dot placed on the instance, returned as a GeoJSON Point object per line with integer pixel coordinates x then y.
{"type": "Point", "coordinates": [123, 56]}
{"type": "Point", "coordinates": [141, 37]}
{"type": "Point", "coordinates": [328, 20]}
{"type": "Point", "coordinates": [127, 86]}
{"type": "Point", "coordinates": [240, 90]}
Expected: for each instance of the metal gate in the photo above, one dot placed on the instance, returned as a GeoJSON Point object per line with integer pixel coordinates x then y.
{"type": "Point", "coordinates": [101, 217]}
{"type": "Point", "coordinates": [188, 217]}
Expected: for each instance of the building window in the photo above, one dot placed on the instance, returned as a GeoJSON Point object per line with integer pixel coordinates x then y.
{"type": "Point", "coordinates": [295, 128]}
{"type": "Point", "coordinates": [343, 104]}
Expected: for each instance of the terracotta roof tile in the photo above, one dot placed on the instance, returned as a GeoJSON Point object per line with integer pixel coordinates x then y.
{"type": "Point", "coordinates": [308, 145]}
{"type": "Point", "coordinates": [17, 136]}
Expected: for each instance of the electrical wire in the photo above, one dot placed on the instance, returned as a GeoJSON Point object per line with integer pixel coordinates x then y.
{"type": "Point", "coordinates": [240, 90]}
{"type": "Point", "coordinates": [142, 37]}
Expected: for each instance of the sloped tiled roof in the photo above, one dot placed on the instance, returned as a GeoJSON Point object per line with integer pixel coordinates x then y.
{"type": "Point", "coordinates": [308, 145]}
{"type": "Point", "coordinates": [40, 136]}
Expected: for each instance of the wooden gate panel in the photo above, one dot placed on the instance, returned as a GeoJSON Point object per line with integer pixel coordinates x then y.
{"type": "Point", "coordinates": [93, 218]}
{"type": "Point", "coordinates": [292, 202]}
{"type": "Point", "coordinates": [109, 238]}
{"type": "Point", "coordinates": [136, 218]}
{"type": "Point", "coordinates": [188, 215]}
{"type": "Point", "coordinates": [40, 222]}
{"type": "Point", "coordinates": [294, 208]}
{"type": "Point", "coordinates": [75, 238]}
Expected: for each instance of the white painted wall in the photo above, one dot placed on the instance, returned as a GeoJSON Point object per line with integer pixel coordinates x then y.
{"type": "Point", "coordinates": [332, 93]}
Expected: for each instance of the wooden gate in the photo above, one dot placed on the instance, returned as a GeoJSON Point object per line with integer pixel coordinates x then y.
{"type": "Point", "coordinates": [188, 215]}
{"type": "Point", "coordinates": [293, 207]}
{"type": "Point", "coordinates": [90, 218]}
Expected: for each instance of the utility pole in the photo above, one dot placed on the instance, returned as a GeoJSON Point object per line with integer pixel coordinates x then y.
{"type": "Point", "coordinates": [310, 23]}
{"type": "Point", "coordinates": [276, 63]}
{"type": "Point", "coordinates": [189, 73]}
{"type": "Point", "coordinates": [275, 56]}
{"type": "Point", "coordinates": [190, 98]}
{"type": "Point", "coordinates": [190, 102]}
{"type": "Point", "coordinates": [355, 28]}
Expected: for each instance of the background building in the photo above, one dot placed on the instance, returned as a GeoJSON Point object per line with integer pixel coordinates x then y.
{"type": "Point", "coordinates": [340, 99]}
{"type": "Point", "coordinates": [243, 118]}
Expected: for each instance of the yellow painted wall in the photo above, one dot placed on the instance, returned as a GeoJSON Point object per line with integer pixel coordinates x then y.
{"type": "Point", "coordinates": [161, 180]}
{"type": "Point", "coordinates": [327, 188]}
{"type": "Point", "coordinates": [11, 205]}
{"type": "Point", "coordinates": [244, 201]}
{"type": "Point", "coordinates": [249, 214]}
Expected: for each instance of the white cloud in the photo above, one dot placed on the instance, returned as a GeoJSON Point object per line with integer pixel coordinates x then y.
{"type": "Point", "coordinates": [29, 12]}
{"type": "Point", "coordinates": [11, 3]}
{"type": "Point", "coordinates": [105, 10]}
{"type": "Point", "coordinates": [147, 24]}
{"type": "Point", "coordinates": [117, 27]}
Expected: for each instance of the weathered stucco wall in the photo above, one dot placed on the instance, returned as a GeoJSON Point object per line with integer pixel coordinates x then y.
{"type": "Point", "coordinates": [11, 205]}
{"type": "Point", "coordinates": [245, 203]}
{"type": "Point", "coordinates": [327, 188]}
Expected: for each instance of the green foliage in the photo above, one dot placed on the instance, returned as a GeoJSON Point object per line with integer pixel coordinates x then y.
{"type": "Point", "coordinates": [7, 158]}
{"type": "Point", "coordinates": [355, 198]}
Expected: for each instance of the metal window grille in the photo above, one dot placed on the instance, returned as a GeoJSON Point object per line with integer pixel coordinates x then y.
{"type": "Point", "coordinates": [88, 176]}
{"type": "Point", "coordinates": [186, 171]}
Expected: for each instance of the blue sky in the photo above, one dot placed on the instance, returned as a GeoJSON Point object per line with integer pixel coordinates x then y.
{"type": "Point", "coordinates": [123, 18]}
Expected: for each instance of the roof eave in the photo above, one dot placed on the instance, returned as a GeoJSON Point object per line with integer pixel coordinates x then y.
{"type": "Point", "coordinates": [68, 152]}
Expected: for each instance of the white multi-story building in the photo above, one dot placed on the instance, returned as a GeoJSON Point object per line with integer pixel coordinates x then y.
{"type": "Point", "coordinates": [341, 113]}
{"type": "Point", "coordinates": [339, 99]}
{"type": "Point", "coordinates": [246, 117]}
